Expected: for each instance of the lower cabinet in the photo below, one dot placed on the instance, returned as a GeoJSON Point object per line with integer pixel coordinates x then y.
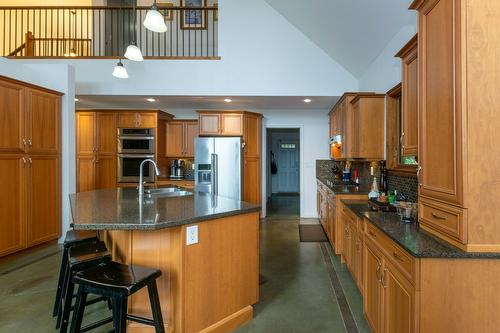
{"type": "Point", "coordinates": [96, 172]}
{"type": "Point", "coordinates": [372, 291]}
{"type": "Point", "coordinates": [30, 195]}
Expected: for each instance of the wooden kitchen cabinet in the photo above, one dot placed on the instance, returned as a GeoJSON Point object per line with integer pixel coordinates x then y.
{"type": "Point", "coordinates": [373, 290]}
{"type": "Point", "coordinates": [332, 211]}
{"type": "Point", "coordinates": [458, 116]}
{"type": "Point", "coordinates": [96, 142]}
{"type": "Point", "coordinates": [209, 124]}
{"type": "Point", "coordinates": [29, 165]}
{"type": "Point", "coordinates": [180, 137]}
{"type": "Point", "coordinates": [369, 120]}
{"type": "Point", "coordinates": [130, 119]}
{"type": "Point", "coordinates": [12, 126]}
{"type": "Point", "coordinates": [222, 123]}
{"type": "Point", "coordinates": [232, 124]}
{"type": "Point", "coordinates": [409, 114]}
{"type": "Point", "coordinates": [43, 199]}
{"type": "Point", "coordinates": [13, 212]}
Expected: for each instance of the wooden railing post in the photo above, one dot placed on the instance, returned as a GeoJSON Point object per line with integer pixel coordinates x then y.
{"type": "Point", "coordinates": [30, 44]}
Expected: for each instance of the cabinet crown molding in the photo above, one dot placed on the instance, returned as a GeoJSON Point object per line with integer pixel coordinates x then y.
{"type": "Point", "coordinates": [408, 48]}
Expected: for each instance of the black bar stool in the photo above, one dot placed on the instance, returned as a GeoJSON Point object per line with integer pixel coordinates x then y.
{"type": "Point", "coordinates": [79, 258]}
{"type": "Point", "coordinates": [72, 238]}
{"type": "Point", "coordinates": [118, 282]}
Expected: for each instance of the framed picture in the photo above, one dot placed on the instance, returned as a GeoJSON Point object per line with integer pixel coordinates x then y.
{"type": "Point", "coordinates": [192, 19]}
{"type": "Point", "coordinates": [168, 14]}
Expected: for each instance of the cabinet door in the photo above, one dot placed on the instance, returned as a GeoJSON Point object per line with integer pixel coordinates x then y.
{"type": "Point", "coordinates": [353, 239]}
{"type": "Point", "coordinates": [86, 173]}
{"type": "Point", "coordinates": [440, 148]}
{"type": "Point", "coordinates": [12, 194]}
{"type": "Point", "coordinates": [44, 220]}
{"type": "Point", "coordinates": [106, 133]}
{"type": "Point", "coordinates": [252, 135]}
{"type": "Point", "coordinates": [251, 180]}
{"type": "Point", "coordinates": [209, 124]}
{"type": "Point", "coordinates": [174, 139]}
{"type": "Point", "coordinates": [409, 121]}
{"type": "Point", "coordinates": [331, 219]}
{"type": "Point", "coordinates": [44, 119]}
{"type": "Point", "coordinates": [12, 117]}
{"type": "Point", "coordinates": [399, 302]}
{"type": "Point", "coordinates": [105, 167]}
{"type": "Point", "coordinates": [128, 119]}
{"type": "Point", "coordinates": [147, 120]}
{"type": "Point", "coordinates": [370, 127]}
{"type": "Point", "coordinates": [85, 133]}
{"type": "Point", "coordinates": [354, 138]}
{"type": "Point", "coordinates": [372, 300]}
{"type": "Point", "coordinates": [359, 254]}
{"type": "Point", "coordinates": [232, 124]}
{"type": "Point", "coordinates": [190, 135]}
{"type": "Point", "coordinates": [346, 244]}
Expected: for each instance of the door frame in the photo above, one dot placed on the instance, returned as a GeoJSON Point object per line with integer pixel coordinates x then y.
{"type": "Point", "coordinates": [265, 168]}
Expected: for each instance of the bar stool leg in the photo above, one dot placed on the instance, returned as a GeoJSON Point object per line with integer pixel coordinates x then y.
{"type": "Point", "coordinates": [120, 313]}
{"type": "Point", "coordinates": [68, 298]}
{"type": "Point", "coordinates": [66, 282]}
{"type": "Point", "coordinates": [155, 307]}
{"type": "Point", "coordinates": [81, 299]}
{"type": "Point", "coordinates": [60, 282]}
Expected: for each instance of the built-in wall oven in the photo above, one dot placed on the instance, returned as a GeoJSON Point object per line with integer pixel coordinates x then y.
{"type": "Point", "coordinates": [134, 146]}
{"type": "Point", "coordinates": [136, 140]}
{"type": "Point", "coordinates": [128, 168]}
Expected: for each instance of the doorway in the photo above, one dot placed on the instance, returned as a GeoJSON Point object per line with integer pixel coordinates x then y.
{"type": "Point", "coordinates": [283, 172]}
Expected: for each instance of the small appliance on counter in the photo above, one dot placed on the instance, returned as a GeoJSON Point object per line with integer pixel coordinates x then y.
{"type": "Point", "coordinates": [177, 169]}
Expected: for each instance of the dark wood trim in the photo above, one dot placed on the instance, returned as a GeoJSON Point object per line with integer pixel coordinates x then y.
{"type": "Point", "coordinates": [409, 47]}
{"type": "Point", "coordinates": [395, 91]}
{"type": "Point", "coordinates": [230, 111]}
{"type": "Point", "coordinates": [361, 95]}
{"type": "Point", "coordinates": [31, 85]}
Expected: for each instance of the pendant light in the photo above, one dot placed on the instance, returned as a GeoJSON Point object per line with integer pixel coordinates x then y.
{"type": "Point", "coordinates": [120, 71]}
{"type": "Point", "coordinates": [154, 20]}
{"type": "Point", "coordinates": [133, 52]}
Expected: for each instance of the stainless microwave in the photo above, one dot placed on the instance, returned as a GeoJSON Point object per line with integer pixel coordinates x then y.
{"type": "Point", "coordinates": [136, 140]}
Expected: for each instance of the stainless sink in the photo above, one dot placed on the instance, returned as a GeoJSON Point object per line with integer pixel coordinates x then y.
{"type": "Point", "coordinates": [167, 192]}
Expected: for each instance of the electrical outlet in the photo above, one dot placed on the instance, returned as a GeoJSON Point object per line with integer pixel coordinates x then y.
{"type": "Point", "coordinates": [192, 235]}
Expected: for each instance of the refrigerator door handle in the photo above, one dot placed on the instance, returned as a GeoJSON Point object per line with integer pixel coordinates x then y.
{"type": "Point", "coordinates": [215, 176]}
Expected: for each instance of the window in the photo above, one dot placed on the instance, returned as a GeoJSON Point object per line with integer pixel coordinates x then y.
{"type": "Point", "coordinates": [287, 146]}
{"type": "Point", "coordinates": [395, 161]}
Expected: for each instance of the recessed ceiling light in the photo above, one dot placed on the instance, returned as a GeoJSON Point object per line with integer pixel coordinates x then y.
{"type": "Point", "coordinates": [307, 100]}
{"type": "Point", "coordinates": [228, 100]}
{"type": "Point", "coordinates": [151, 100]}
{"type": "Point", "coordinates": [76, 99]}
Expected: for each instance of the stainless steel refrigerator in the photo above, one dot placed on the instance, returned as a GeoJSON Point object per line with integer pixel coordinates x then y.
{"type": "Point", "coordinates": [218, 166]}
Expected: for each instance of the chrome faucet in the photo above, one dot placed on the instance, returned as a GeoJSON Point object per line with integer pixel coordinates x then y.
{"type": "Point", "coordinates": [141, 176]}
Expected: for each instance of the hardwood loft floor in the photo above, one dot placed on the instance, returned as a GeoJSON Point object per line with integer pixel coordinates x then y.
{"type": "Point", "coordinates": [299, 293]}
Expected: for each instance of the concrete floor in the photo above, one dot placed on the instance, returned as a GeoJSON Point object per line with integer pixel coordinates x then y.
{"type": "Point", "coordinates": [298, 294]}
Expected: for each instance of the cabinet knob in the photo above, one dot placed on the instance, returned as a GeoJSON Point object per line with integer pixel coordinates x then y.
{"type": "Point", "coordinates": [24, 160]}
{"type": "Point", "coordinates": [30, 160]}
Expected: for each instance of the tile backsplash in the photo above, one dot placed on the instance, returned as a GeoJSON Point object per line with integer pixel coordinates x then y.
{"type": "Point", "coordinates": [324, 170]}
{"type": "Point", "coordinates": [406, 185]}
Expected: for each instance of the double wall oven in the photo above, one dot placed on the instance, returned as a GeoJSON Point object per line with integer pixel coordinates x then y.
{"type": "Point", "coordinates": [134, 146]}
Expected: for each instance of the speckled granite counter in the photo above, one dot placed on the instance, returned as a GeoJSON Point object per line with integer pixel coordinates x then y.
{"type": "Point", "coordinates": [415, 241]}
{"type": "Point", "coordinates": [346, 189]}
{"type": "Point", "coordinates": [119, 209]}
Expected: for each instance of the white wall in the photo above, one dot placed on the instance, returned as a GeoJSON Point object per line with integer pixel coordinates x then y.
{"type": "Point", "coordinates": [385, 71]}
{"type": "Point", "coordinates": [57, 77]}
{"type": "Point", "coordinates": [262, 55]}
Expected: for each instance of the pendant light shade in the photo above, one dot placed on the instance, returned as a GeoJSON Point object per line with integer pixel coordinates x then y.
{"type": "Point", "coordinates": [154, 20]}
{"type": "Point", "coordinates": [120, 71]}
{"type": "Point", "coordinates": [133, 53]}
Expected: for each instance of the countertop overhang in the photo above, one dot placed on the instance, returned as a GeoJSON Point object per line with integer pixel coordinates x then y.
{"type": "Point", "coordinates": [410, 237]}
{"type": "Point", "coordinates": [120, 209]}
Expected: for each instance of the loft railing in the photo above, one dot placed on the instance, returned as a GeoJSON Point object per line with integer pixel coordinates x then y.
{"type": "Point", "coordinates": [105, 32]}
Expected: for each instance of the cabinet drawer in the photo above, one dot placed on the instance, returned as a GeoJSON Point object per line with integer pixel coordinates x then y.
{"type": "Point", "coordinates": [446, 219]}
{"type": "Point", "coordinates": [399, 257]}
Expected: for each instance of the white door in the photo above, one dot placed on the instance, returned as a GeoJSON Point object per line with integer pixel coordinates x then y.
{"type": "Point", "coordinates": [288, 166]}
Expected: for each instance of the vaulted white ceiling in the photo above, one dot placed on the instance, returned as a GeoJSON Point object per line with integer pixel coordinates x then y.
{"type": "Point", "coordinates": [352, 32]}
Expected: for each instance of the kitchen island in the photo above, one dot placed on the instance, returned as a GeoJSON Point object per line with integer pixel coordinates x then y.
{"type": "Point", "coordinates": [208, 286]}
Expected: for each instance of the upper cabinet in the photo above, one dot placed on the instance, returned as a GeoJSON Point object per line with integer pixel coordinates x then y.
{"type": "Point", "coordinates": [458, 121]}
{"type": "Point", "coordinates": [226, 123]}
{"type": "Point", "coordinates": [180, 137]}
{"type": "Point", "coordinates": [137, 119]}
{"type": "Point", "coordinates": [409, 114]}
{"type": "Point", "coordinates": [12, 115]}
{"type": "Point", "coordinates": [357, 128]}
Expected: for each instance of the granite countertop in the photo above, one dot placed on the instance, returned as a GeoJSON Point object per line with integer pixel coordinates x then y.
{"type": "Point", "coordinates": [120, 209]}
{"type": "Point", "coordinates": [159, 178]}
{"type": "Point", "coordinates": [410, 237]}
{"type": "Point", "coordinates": [346, 189]}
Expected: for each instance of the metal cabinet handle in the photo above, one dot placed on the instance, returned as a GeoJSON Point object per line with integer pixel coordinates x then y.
{"type": "Point", "coordinates": [379, 265]}
{"type": "Point", "coordinates": [401, 140]}
{"type": "Point", "coordinates": [30, 160]}
{"type": "Point", "coordinates": [372, 234]}
{"type": "Point", "coordinates": [384, 284]}
{"type": "Point", "coordinates": [24, 142]}
{"type": "Point", "coordinates": [419, 169]}
{"type": "Point", "coordinates": [438, 217]}
{"type": "Point", "coordinates": [24, 160]}
{"type": "Point", "coordinates": [397, 256]}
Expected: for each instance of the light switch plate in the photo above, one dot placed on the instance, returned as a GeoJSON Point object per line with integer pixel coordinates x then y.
{"type": "Point", "coordinates": [192, 235]}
